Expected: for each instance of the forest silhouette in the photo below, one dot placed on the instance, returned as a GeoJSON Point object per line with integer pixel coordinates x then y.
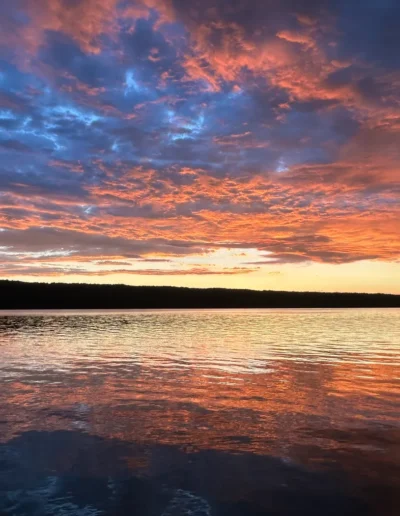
{"type": "Point", "coordinates": [24, 295]}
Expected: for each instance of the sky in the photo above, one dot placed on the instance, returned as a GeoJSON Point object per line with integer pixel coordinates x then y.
{"type": "Point", "coordinates": [227, 143]}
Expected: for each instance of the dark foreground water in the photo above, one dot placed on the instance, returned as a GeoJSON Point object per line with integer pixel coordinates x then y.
{"type": "Point", "coordinates": [225, 413]}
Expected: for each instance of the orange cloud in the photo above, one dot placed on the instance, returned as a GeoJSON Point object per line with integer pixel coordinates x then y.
{"type": "Point", "coordinates": [85, 21]}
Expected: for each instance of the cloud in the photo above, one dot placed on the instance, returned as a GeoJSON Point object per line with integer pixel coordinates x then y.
{"type": "Point", "coordinates": [43, 240]}
{"type": "Point", "coordinates": [152, 130]}
{"type": "Point", "coordinates": [62, 271]}
{"type": "Point", "coordinates": [14, 145]}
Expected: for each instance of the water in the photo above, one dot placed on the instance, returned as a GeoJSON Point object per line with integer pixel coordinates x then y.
{"type": "Point", "coordinates": [200, 413]}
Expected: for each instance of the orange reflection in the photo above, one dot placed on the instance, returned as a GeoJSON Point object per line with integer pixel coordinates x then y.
{"type": "Point", "coordinates": [251, 383]}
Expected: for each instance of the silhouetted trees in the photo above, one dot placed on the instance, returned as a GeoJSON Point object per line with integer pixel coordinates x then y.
{"type": "Point", "coordinates": [21, 295]}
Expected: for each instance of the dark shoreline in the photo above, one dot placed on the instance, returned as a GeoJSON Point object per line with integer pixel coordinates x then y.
{"type": "Point", "coordinates": [18, 295]}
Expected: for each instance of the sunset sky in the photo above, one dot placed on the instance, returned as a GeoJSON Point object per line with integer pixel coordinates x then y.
{"type": "Point", "coordinates": [234, 143]}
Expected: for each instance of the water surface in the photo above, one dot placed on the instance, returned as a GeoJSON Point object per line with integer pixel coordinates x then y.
{"type": "Point", "coordinates": [200, 412]}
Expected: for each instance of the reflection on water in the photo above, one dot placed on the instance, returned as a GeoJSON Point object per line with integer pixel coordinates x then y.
{"type": "Point", "coordinates": [201, 413]}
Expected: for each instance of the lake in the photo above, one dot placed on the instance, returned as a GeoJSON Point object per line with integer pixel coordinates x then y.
{"type": "Point", "coordinates": [200, 413]}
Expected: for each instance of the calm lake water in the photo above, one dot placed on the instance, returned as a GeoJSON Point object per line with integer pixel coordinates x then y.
{"type": "Point", "coordinates": [200, 413]}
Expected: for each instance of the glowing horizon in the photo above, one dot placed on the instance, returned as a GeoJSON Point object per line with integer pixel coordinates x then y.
{"type": "Point", "coordinates": [214, 143]}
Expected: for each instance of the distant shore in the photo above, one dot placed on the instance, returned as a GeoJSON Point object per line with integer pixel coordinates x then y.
{"type": "Point", "coordinates": [18, 295]}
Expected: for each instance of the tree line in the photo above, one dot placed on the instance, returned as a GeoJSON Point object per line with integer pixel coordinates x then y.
{"type": "Point", "coordinates": [24, 295]}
